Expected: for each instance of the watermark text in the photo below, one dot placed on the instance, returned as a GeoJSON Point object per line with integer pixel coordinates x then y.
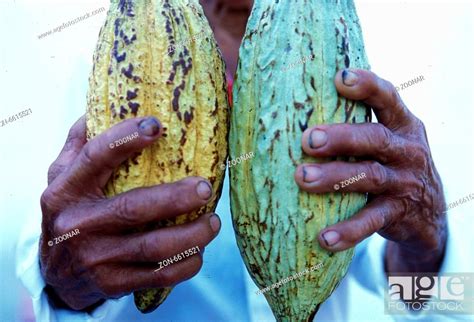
{"type": "Point", "coordinates": [349, 181]}
{"type": "Point", "coordinates": [15, 117]}
{"type": "Point", "coordinates": [298, 62]}
{"type": "Point", "coordinates": [459, 202]}
{"type": "Point", "coordinates": [72, 22]}
{"type": "Point", "coordinates": [290, 278]}
{"type": "Point", "coordinates": [64, 237]}
{"type": "Point", "coordinates": [124, 140]}
{"type": "Point", "coordinates": [410, 83]}
{"type": "Point", "coordinates": [448, 293]}
{"type": "Point", "coordinates": [239, 159]}
{"type": "Point", "coordinates": [177, 258]}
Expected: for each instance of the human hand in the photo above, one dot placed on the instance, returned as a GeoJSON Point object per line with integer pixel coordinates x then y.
{"type": "Point", "coordinates": [108, 260]}
{"type": "Point", "coordinates": [405, 196]}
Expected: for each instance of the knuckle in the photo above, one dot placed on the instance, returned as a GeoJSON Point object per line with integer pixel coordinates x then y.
{"type": "Point", "coordinates": [53, 171]}
{"type": "Point", "coordinates": [144, 247]}
{"type": "Point", "coordinates": [60, 226]}
{"type": "Point", "coordinates": [169, 277]}
{"type": "Point", "coordinates": [374, 223]}
{"type": "Point", "coordinates": [384, 137]}
{"type": "Point", "coordinates": [419, 123]}
{"type": "Point", "coordinates": [86, 260]}
{"type": "Point", "coordinates": [107, 286]}
{"type": "Point", "coordinates": [93, 154]}
{"type": "Point", "coordinates": [46, 199]}
{"type": "Point", "coordinates": [394, 95]}
{"type": "Point", "coordinates": [375, 84]}
{"type": "Point", "coordinates": [347, 131]}
{"type": "Point", "coordinates": [88, 155]}
{"type": "Point", "coordinates": [390, 90]}
{"type": "Point", "coordinates": [196, 264]}
{"type": "Point", "coordinates": [172, 276]}
{"type": "Point", "coordinates": [433, 240]}
{"type": "Point", "coordinates": [419, 129]}
{"type": "Point", "coordinates": [175, 193]}
{"type": "Point", "coordinates": [49, 200]}
{"type": "Point", "coordinates": [365, 226]}
{"type": "Point", "coordinates": [401, 113]}
{"type": "Point", "coordinates": [71, 138]}
{"type": "Point", "coordinates": [420, 154]}
{"type": "Point", "coordinates": [354, 236]}
{"type": "Point", "coordinates": [175, 202]}
{"type": "Point", "coordinates": [390, 87]}
{"type": "Point", "coordinates": [125, 210]}
{"type": "Point", "coordinates": [378, 174]}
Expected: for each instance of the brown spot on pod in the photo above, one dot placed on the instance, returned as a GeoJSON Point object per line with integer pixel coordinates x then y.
{"type": "Point", "coordinates": [133, 107]}
{"type": "Point", "coordinates": [182, 141]}
{"type": "Point", "coordinates": [188, 117]}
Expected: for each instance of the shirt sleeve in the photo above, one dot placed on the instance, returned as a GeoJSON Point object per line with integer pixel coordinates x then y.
{"type": "Point", "coordinates": [28, 271]}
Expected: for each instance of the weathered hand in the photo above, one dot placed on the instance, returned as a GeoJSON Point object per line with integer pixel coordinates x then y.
{"type": "Point", "coordinates": [405, 195]}
{"type": "Point", "coordinates": [106, 259]}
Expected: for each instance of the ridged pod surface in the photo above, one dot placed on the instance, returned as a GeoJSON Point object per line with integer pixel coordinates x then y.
{"type": "Point", "coordinates": [136, 73]}
{"type": "Point", "coordinates": [288, 59]}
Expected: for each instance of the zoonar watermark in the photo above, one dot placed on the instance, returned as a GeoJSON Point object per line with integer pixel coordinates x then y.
{"type": "Point", "coordinates": [238, 160]}
{"type": "Point", "coordinates": [124, 140]}
{"type": "Point", "coordinates": [410, 83]}
{"type": "Point", "coordinates": [64, 237]}
{"type": "Point", "coordinates": [349, 181]}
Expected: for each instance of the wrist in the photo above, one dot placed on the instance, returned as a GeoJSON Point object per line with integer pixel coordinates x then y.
{"type": "Point", "coordinates": [402, 259]}
{"type": "Point", "coordinates": [56, 301]}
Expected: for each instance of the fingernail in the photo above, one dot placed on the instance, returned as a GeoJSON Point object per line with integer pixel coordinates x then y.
{"type": "Point", "coordinates": [349, 78]}
{"type": "Point", "coordinates": [215, 223]}
{"type": "Point", "coordinates": [317, 139]}
{"type": "Point", "coordinates": [311, 173]}
{"type": "Point", "coordinates": [204, 190]}
{"type": "Point", "coordinates": [331, 237]}
{"type": "Point", "coordinates": [149, 126]}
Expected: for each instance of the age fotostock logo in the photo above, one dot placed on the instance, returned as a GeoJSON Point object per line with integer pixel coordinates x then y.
{"type": "Point", "coordinates": [450, 293]}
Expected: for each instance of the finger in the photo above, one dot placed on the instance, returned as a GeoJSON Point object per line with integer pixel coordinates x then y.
{"type": "Point", "coordinates": [162, 243]}
{"type": "Point", "coordinates": [381, 95]}
{"type": "Point", "coordinates": [104, 153]}
{"type": "Point", "coordinates": [372, 218]}
{"type": "Point", "coordinates": [366, 139]}
{"type": "Point", "coordinates": [168, 242]}
{"type": "Point", "coordinates": [119, 280]}
{"type": "Point", "coordinates": [140, 206]}
{"type": "Point", "coordinates": [76, 139]}
{"type": "Point", "coordinates": [365, 176]}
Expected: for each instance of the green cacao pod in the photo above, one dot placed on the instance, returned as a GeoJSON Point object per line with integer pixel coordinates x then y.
{"type": "Point", "coordinates": [160, 58]}
{"type": "Point", "coordinates": [288, 59]}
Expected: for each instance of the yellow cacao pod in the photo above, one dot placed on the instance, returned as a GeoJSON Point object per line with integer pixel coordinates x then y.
{"type": "Point", "coordinates": [159, 58]}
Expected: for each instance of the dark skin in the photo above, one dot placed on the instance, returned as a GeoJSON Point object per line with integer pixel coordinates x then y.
{"type": "Point", "coordinates": [228, 19]}
{"type": "Point", "coordinates": [102, 261]}
{"type": "Point", "coordinates": [406, 200]}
